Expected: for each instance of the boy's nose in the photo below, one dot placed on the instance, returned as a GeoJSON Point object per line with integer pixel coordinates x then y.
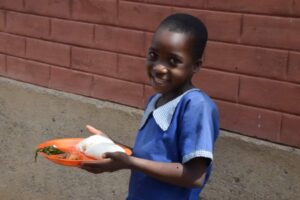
{"type": "Point", "coordinates": [159, 69]}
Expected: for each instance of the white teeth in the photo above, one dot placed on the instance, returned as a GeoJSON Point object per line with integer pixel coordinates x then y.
{"type": "Point", "coordinates": [159, 81]}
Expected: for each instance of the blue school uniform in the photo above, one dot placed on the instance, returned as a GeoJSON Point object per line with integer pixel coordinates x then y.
{"type": "Point", "coordinates": [178, 131]}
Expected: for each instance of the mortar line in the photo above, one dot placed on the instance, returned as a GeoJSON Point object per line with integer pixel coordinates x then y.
{"type": "Point", "coordinates": [280, 127]}
{"type": "Point", "coordinates": [287, 63]}
{"type": "Point", "coordinates": [5, 64]}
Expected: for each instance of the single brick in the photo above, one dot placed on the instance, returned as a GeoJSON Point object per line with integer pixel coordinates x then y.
{"type": "Point", "coordinates": [271, 32]}
{"type": "Point", "coordinates": [28, 71]}
{"type": "Point", "coordinates": [218, 84]}
{"type": "Point", "coordinates": [98, 11]}
{"type": "Point", "coordinates": [120, 40]}
{"type": "Point", "coordinates": [81, 33]}
{"type": "Point", "coordinates": [248, 60]}
{"type": "Point", "coordinates": [49, 52]}
{"type": "Point", "coordinates": [136, 14]}
{"type": "Point", "coordinates": [272, 7]}
{"type": "Point", "coordinates": [260, 123]}
{"type": "Point", "coordinates": [276, 95]}
{"type": "Point", "coordinates": [251, 121]}
{"type": "Point", "coordinates": [293, 72]}
{"type": "Point", "coordinates": [132, 68]}
{"type": "Point", "coordinates": [12, 4]}
{"type": "Point", "coordinates": [221, 26]}
{"type": "Point", "coordinates": [29, 25]}
{"type": "Point", "coordinates": [106, 37]}
{"type": "Point", "coordinates": [12, 44]}
{"type": "Point", "coordinates": [56, 8]}
{"type": "Point", "coordinates": [290, 134]}
{"type": "Point", "coordinates": [119, 91]}
{"type": "Point", "coordinates": [2, 65]}
{"type": "Point", "coordinates": [95, 61]}
{"type": "Point", "coordinates": [70, 81]}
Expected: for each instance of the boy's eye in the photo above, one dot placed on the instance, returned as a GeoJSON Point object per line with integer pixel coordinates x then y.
{"type": "Point", "coordinates": [174, 61]}
{"type": "Point", "coordinates": [152, 55]}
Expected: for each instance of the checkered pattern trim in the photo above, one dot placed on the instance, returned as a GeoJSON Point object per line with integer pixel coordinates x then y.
{"type": "Point", "coordinates": [162, 115]}
{"type": "Point", "coordinates": [149, 109]}
{"type": "Point", "coordinates": [196, 154]}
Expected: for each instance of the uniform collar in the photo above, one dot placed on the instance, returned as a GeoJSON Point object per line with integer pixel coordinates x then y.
{"type": "Point", "coordinates": [164, 114]}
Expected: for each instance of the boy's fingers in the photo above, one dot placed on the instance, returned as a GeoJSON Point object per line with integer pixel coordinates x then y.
{"type": "Point", "coordinates": [93, 130]}
{"type": "Point", "coordinates": [107, 155]}
{"type": "Point", "coordinates": [113, 155]}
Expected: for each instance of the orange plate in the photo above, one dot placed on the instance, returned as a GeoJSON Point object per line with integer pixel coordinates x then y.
{"type": "Point", "coordinates": [68, 145]}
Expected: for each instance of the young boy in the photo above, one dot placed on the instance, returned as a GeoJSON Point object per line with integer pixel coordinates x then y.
{"type": "Point", "coordinates": [173, 153]}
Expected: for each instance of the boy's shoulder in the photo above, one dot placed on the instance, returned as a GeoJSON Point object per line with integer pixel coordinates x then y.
{"type": "Point", "coordinates": [198, 98]}
{"type": "Point", "coordinates": [197, 95]}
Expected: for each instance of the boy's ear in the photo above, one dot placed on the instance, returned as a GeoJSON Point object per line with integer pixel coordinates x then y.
{"type": "Point", "coordinates": [197, 65]}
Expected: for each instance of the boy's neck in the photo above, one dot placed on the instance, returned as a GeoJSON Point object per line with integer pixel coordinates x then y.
{"type": "Point", "coordinates": [165, 98]}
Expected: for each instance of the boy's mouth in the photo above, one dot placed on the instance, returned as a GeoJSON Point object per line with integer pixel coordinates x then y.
{"type": "Point", "coordinates": [158, 81]}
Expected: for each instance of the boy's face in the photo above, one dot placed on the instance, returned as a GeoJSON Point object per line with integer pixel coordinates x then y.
{"type": "Point", "coordinates": [170, 65]}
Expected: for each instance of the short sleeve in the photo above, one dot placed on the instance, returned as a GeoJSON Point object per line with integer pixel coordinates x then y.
{"type": "Point", "coordinates": [199, 128]}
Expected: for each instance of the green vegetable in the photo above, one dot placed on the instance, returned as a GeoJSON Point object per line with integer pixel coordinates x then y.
{"type": "Point", "coordinates": [49, 150]}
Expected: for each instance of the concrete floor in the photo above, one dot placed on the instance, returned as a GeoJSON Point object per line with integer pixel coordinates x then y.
{"type": "Point", "coordinates": [245, 168]}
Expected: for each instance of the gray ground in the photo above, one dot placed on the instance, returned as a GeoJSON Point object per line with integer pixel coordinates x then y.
{"type": "Point", "coordinates": [244, 168]}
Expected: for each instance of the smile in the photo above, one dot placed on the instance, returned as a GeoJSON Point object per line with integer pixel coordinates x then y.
{"type": "Point", "coordinates": [158, 81]}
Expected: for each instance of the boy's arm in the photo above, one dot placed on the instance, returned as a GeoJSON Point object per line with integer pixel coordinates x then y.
{"type": "Point", "coordinates": [190, 174]}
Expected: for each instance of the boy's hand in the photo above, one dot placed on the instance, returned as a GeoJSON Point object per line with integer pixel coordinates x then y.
{"type": "Point", "coordinates": [111, 162]}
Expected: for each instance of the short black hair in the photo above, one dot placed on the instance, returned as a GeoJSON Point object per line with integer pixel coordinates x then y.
{"type": "Point", "coordinates": [188, 24]}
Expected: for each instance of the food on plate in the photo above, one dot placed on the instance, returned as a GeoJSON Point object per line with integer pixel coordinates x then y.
{"type": "Point", "coordinates": [92, 140]}
{"type": "Point", "coordinates": [72, 151]}
{"type": "Point", "coordinates": [96, 150]}
{"type": "Point", "coordinates": [69, 156]}
{"type": "Point", "coordinates": [94, 146]}
{"type": "Point", "coordinates": [49, 150]}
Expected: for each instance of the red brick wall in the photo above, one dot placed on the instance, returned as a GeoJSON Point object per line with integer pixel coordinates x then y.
{"type": "Point", "coordinates": [96, 48]}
